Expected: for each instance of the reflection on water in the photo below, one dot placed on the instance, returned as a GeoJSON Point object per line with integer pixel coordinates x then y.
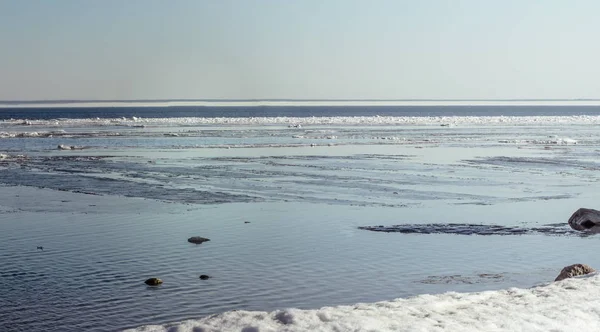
{"type": "Point", "coordinates": [90, 274]}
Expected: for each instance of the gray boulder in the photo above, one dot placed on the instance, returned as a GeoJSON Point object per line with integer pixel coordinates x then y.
{"type": "Point", "coordinates": [586, 220]}
{"type": "Point", "coordinates": [574, 270]}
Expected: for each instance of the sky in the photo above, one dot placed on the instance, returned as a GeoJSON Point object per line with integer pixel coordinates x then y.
{"type": "Point", "coordinates": [302, 49]}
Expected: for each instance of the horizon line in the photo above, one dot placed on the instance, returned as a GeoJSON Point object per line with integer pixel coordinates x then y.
{"type": "Point", "coordinates": [258, 100]}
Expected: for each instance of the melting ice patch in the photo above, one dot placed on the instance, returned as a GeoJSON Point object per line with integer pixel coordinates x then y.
{"type": "Point", "coordinates": [519, 163]}
{"type": "Point", "coordinates": [461, 279]}
{"type": "Point", "coordinates": [549, 141]}
{"type": "Point", "coordinates": [568, 305]}
{"type": "Point", "coordinates": [473, 229]}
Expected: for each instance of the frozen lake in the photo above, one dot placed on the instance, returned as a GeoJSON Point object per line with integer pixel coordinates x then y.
{"type": "Point", "coordinates": [282, 200]}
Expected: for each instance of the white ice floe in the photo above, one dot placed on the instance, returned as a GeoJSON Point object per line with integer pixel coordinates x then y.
{"type": "Point", "coordinates": [550, 141]}
{"type": "Point", "coordinates": [568, 305]}
{"type": "Point", "coordinates": [7, 157]}
{"type": "Point", "coordinates": [326, 120]}
{"type": "Point", "coordinates": [69, 147]}
{"type": "Point", "coordinates": [32, 134]}
{"type": "Point", "coordinates": [567, 141]}
{"type": "Point", "coordinates": [389, 138]}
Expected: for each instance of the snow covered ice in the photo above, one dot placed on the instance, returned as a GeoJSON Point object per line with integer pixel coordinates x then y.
{"type": "Point", "coordinates": [568, 305]}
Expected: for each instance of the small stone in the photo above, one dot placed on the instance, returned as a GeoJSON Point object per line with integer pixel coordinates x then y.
{"type": "Point", "coordinates": [204, 277]}
{"type": "Point", "coordinates": [153, 282]}
{"type": "Point", "coordinates": [574, 270]}
{"type": "Point", "coordinates": [197, 239]}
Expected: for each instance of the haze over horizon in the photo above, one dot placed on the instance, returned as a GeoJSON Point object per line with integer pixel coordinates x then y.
{"type": "Point", "coordinates": [303, 50]}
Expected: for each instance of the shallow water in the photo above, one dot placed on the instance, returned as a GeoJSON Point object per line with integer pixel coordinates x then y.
{"type": "Point", "coordinates": [120, 211]}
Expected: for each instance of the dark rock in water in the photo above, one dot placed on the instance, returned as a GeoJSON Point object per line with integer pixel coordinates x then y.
{"type": "Point", "coordinates": [197, 239]}
{"type": "Point", "coordinates": [246, 222]}
{"type": "Point", "coordinates": [471, 229]}
{"type": "Point", "coordinates": [204, 277]}
{"type": "Point", "coordinates": [585, 220]}
{"type": "Point", "coordinates": [574, 270]}
{"type": "Point", "coordinates": [153, 282]}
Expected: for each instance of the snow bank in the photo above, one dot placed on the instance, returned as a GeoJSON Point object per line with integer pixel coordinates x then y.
{"type": "Point", "coordinates": [568, 305]}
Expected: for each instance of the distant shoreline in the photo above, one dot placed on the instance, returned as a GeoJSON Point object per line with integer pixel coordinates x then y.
{"type": "Point", "coordinates": [294, 102]}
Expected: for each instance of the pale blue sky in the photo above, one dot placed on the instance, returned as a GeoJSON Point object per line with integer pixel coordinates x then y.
{"type": "Point", "coordinates": [321, 49]}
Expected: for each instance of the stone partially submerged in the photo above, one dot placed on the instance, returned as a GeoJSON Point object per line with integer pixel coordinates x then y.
{"type": "Point", "coordinates": [586, 220]}
{"type": "Point", "coordinates": [574, 270]}
{"type": "Point", "coordinates": [153, 282]}
{"type": "Point", "coordinates": [197, 239]}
